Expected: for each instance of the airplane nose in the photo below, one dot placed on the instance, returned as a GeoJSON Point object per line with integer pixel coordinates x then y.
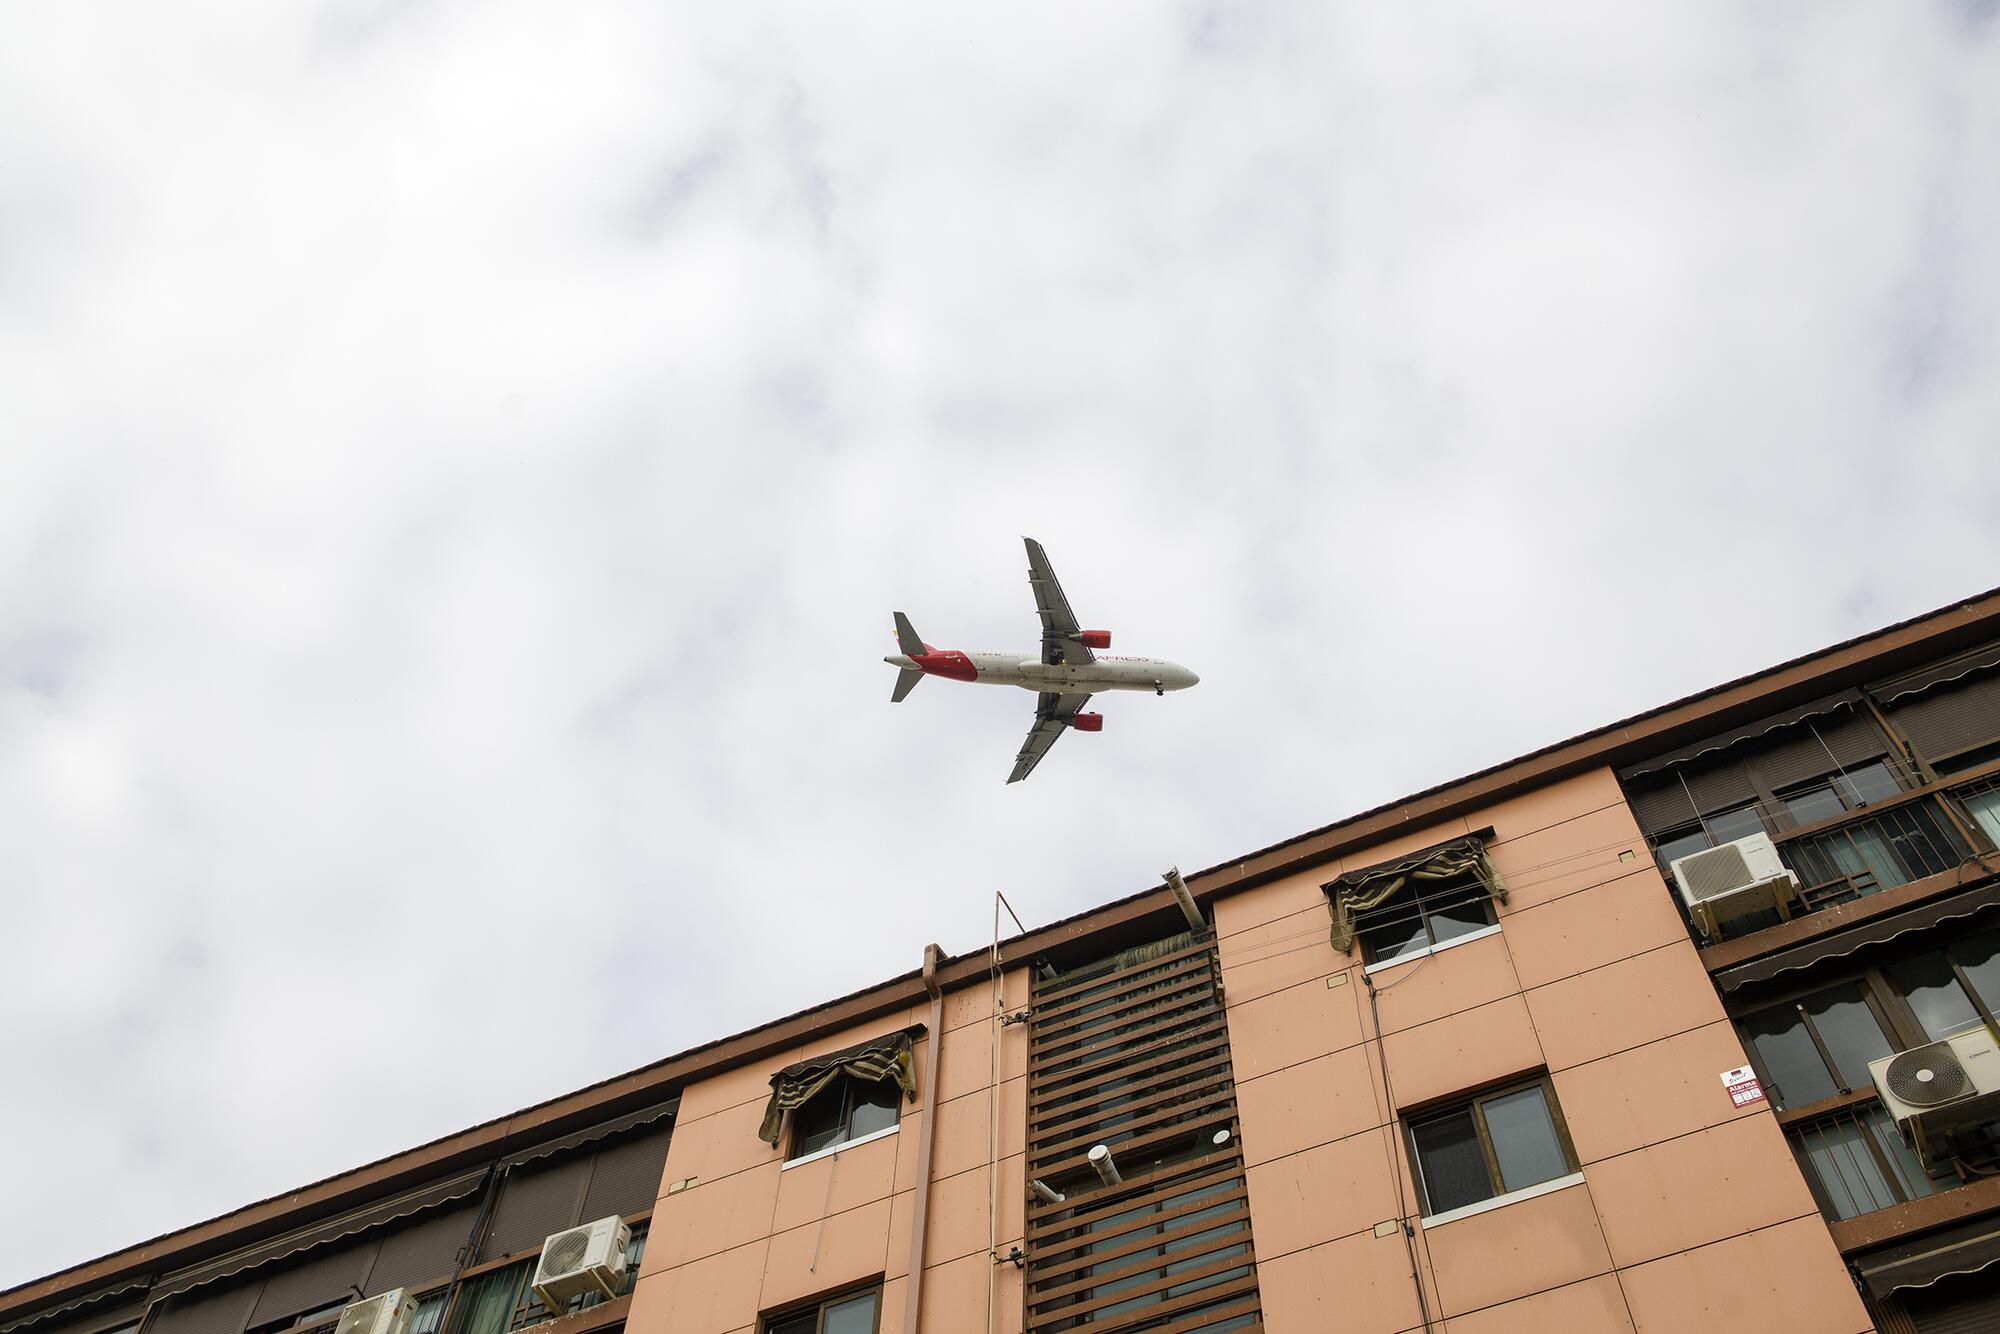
{"type": "Point", "coordinates": [1188, 678]}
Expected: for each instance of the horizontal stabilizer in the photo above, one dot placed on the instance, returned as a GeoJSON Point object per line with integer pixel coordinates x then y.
{"type": "Point", "coordinates": [906, 681]}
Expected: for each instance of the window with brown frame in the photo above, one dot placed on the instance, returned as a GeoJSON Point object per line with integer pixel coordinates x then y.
{"type": "Point", "coordinates": [1493, 1144]}
{"type": "Point", "coordinates": [845, 1110]}
{"type": "Point", "coordinates": [1417, 921]}
{"type": "Point", "coordinates": [1812, 1050]}
{"type": "Point", "coordinates": [1817, 1043]}
{"type": "Point", "coordinates": [849, 1313]}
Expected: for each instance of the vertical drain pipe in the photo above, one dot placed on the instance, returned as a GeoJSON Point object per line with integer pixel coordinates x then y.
{"type": "Point", "coordinates": [913, 1308]}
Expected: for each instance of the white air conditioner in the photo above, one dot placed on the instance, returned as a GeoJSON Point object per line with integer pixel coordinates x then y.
{"type": "Point", "coordinates": [384, 1313]}
{"type": "Point", "coordinates": [1735, 879]}
{"type": "Point", "coordinates": [1940, 1087]}
{"type": "Point", "coordinates": [590, 1258]}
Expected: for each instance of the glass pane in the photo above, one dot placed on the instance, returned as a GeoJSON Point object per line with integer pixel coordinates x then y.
{"type": "Point", "coordinates": [1670, 850]}
{"type": "Point", "coordinates": [1873, 853]}
{"type": "Point", "coordinates": [1979, 956]}
{"type": "Point", "coordinates": [1838, 1154]}
{"type": "Point", "coordinates": [794, 1324]}
{"type": "Point", "coordinates": [486, 1304]}
{"type": "Point", "coordinates": [1789, 1057]}
{"type": "Point", "coordinates": [1941, 1005]}
{"type": "Point", "coordinates": [1457, 911]}
{"type": "Point", "coordinates": [856, 1315]}
{"type": "Point", "coordinates": [874, 1107]}
{"type": "Point", "coordinates": [1728, 826]}
{"type": "Point", "coordinates": [1869, 782]}
{"type": "Point", "coordinates": [1392, 930]}
{"type": "Point", "coordinates": [1454, 1171]}
{"type": "Point", "coordinates": [1815, 804]}
{"type": "Point", "coordinates": [1848, 1028]}
{"type": "Point", "coordinates": [817, 1124]}
{"type": "Point", "coordinates": [1984, 808]}
{"type": "Point", "coordinates": [1524, 1138]}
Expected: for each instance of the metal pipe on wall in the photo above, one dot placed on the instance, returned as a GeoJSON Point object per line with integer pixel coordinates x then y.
{"type": "Point", "coordinates": [913, 1308]}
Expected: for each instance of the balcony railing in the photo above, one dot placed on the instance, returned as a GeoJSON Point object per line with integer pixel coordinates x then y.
{"type": "Point", "coordinates": [1856, 1161]}
{"type": "Point", "coordinates": [1874, 850]}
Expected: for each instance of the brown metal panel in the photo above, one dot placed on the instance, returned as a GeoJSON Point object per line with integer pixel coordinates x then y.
{"type": "Point", "coordinates": [1097, 1070]}
{"type": "Point", "coordinates": [1136, 1058]}
{"type": "Point", "coordinates": [224, 1309]}
{"type": "Point", "coordinates": [1177, 993]}
{"type": "Point", "coordinates": [1245, 1287]}
{"type": "Point", "coordinates": [1137, 1026]}
{"type": "Point", "coordinates": [1109, 1079]}
{"type": "Point", "coordinates": [315, 1279]}
{"type": "Point", "coordinates": [535, 1202]}
{"type": "Point", "coordinates": [1951, 718]}
{"type": "Point", "coordinates": [1196, 1072]}
{"type": "Point", "coordinates": [1182, 1107]}
{"type": "Point", "coordinates": [626, 1175]}
{"type": "Point", "coordinates": [1143, 1005]}
{"type": "Point", "coordinates": [1052, 1012]}
{"type": "Point", "coordinates": [1817, 747]}
{"type": "Point", "coordinates": [1963, 1306]}
{"type": "Point", "coordinates": [1066, 986]}
{"type": "Point", "coordinates": [1093, 1303]}
{"type": "Point", "coordinates": [421, 1251]}
{"type": "Point", "coordinates": [1088, 1250]}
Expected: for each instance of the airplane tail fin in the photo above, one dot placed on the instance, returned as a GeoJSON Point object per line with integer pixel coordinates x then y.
{"type": "Point", "coordinates": [906, 681]}
{"type": "Point", "coordinates": [908, 640]}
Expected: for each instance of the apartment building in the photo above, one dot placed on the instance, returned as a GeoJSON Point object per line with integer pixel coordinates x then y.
{"type": "Point", "coordinates": [1687, 1023]}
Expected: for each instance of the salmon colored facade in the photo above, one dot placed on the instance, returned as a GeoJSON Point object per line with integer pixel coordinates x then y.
{"type": "Point", "coordinates": [1475, 1062]}
{"type": "Point", "coordinates": [1689, 1214]}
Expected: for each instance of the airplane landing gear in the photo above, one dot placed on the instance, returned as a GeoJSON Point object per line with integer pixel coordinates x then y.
{"type": "Point", "coordinates": [1159, 689]}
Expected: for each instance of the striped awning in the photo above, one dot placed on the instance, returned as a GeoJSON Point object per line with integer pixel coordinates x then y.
{"type": "Point", "coordinates": [886, 1057]}
{"type": "Point", "coordinates": [1876, 932]}
{"type": "Point", "coordinates": [1920, 1263]}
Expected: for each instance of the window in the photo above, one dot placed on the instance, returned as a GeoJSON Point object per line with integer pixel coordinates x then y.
{"type": "Point", "coordinates": [1818, 1045]}
{"type": "Point", "coordinates": [1415, 923]}
{"type": "Point", "coordinates": [1491, 1146]}
{"type": "Point", "coordinates": [1839, 793]}
{"type": "Point", "coordinates": [854, 1313]}
{"type": "Point", "coordinates": [1944, 996]}
{"type": "Point", "coordinates": [845, 1110]}
{"type": "Point", "coordinates": [1711, 832]}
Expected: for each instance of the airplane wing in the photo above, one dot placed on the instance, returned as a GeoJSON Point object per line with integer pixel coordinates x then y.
{"type": "Point", "coordinates": [1052, 715]}
{"type": "Point", "coordinates": [1059, 627]}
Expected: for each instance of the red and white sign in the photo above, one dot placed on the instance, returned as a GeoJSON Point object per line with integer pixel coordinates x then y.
{"type": "Point", "coordinates": [1743, 1086]}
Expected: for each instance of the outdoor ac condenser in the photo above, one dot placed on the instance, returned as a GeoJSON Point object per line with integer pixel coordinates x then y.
{"type": "Point", "coordinates": [385, 1313]}
{"type": "Point", "coordinates": [590, 1258]}
{"type": "Point", "coordinates": [1735, 879]}
{"type": "Point", "coordinates": [1941, 1086]}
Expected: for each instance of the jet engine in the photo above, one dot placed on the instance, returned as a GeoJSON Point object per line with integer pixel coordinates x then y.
{"type": "Point", "coordinates": [1088, 722]}
{"type": "Point", "coordinates": [1094, 638]}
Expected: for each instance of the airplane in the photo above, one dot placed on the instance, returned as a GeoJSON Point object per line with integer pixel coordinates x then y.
{"type": "Point", "coordinates": [1063, 678]}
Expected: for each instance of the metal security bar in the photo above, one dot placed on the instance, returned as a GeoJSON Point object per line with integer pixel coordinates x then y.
{"type": "Point", "coordinates": [1875, 852]}
{"type": "Point", "coordinates": [1856, 1162]}
{"type": "Point", "coordinates": [1132, 1053]}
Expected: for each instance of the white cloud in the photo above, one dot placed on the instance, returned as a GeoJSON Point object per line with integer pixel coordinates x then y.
{"type": "Point", "coordinates": [457, 461]}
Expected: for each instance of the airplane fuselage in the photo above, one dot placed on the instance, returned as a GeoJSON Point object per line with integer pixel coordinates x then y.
{"type": "Point", "coordinates": [1104, 672]}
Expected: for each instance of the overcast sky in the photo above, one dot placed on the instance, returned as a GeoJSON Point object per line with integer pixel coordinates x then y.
{"type": "Point", "coordinates": [458, 460]}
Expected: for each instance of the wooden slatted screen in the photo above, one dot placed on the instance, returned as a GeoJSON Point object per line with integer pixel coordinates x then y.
{"type": "Point", "coordinates": [1133, 1053]}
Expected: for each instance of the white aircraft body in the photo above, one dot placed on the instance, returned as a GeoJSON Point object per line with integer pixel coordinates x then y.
{"type": "Point", "coordinates": [1065, 676]}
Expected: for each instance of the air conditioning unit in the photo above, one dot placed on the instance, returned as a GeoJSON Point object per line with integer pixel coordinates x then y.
{"type": "Point", "coordinates": [1735, 879]}
{"type": "Point", "coordinates": [384, 1313]}
{"type": "Point", "coordinates": [1940, 1087]}
{"type": "Point", "coordinates": [590, 1258]}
